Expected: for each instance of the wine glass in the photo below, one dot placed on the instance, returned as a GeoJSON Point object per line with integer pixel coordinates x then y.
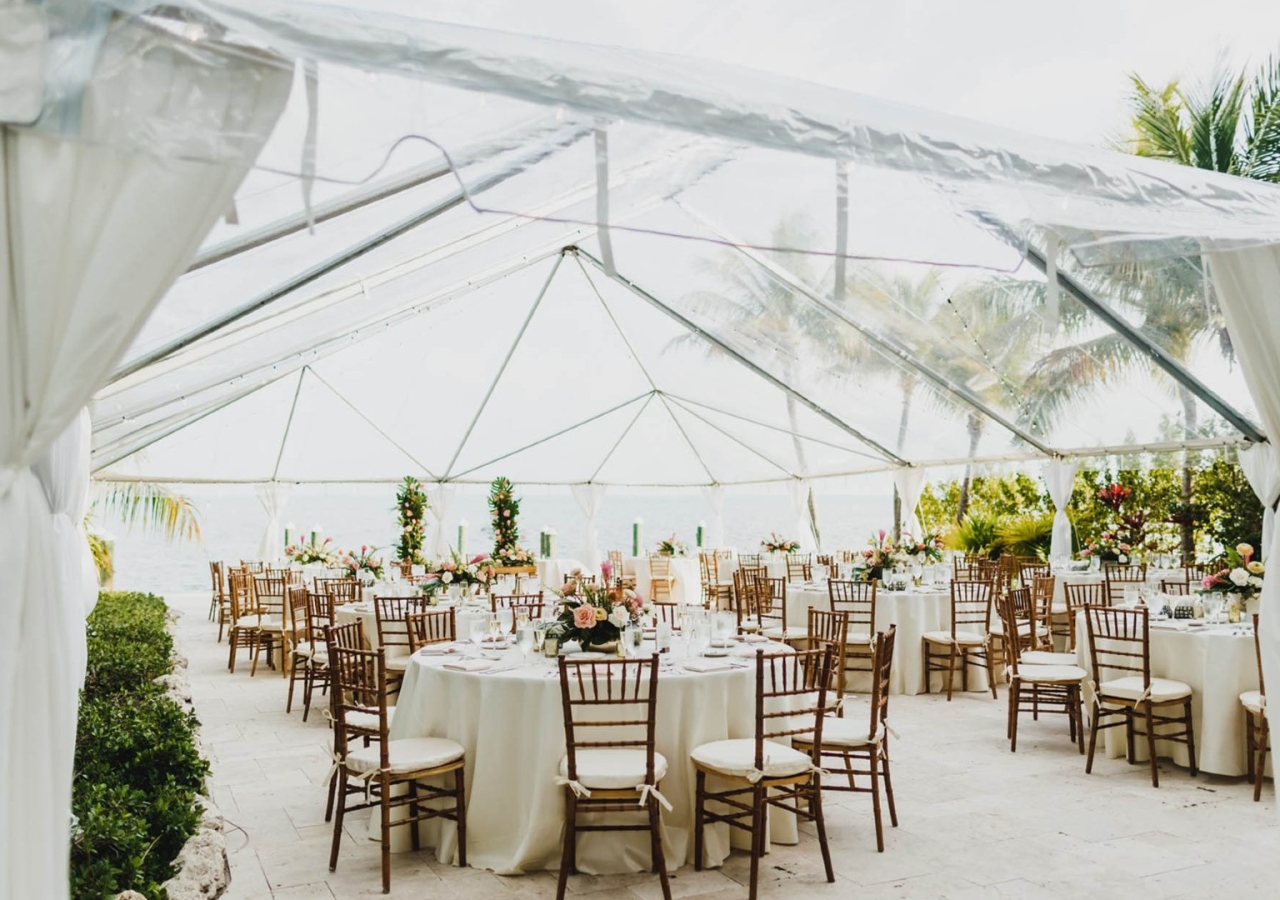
{"type": "Point", "coordinates": [479, 629]}
{"type": "Point", "coordinates": [539, 637]}
{"type": "Point", "coordinates": [495, 627]}
{"type": "Point", "coordinates": [524, 638]}
{"type": "Point", "coordinates": [505, 616]}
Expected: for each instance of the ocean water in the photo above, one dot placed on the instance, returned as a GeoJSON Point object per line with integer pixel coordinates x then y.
{"type": "Point", "coordinates": [232, 523]}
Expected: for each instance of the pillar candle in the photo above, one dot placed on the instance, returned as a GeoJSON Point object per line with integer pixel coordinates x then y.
{"type": "Point", "coordinates": [315, 531]}
{"type": "Point", "coordinates": [637, 539]}
{"type": "Point", "coordinates": [462, 538]}
{"type": "Point", "coordinates": [551, 543]}
{"type": "Point", "coordinates": [701, 526]}
{"type": "Point", "coordinates": [287, 529]}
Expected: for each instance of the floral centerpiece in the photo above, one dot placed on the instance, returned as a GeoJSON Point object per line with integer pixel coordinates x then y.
{"type": "Point", "coordinates": [1238, 575]}
{"type": "Point", "coordinates": [775, 544]}
{"type": "Point", "coordinates": [671, 547]}
{"type": "Point", "coordinates": [362, 560]}
{"type": "Point", "coordinates": [881, 553]}
{"type": "Point", "coordinates": [1110, 546]}
{"type": "Point", "coordinates": [312, 552]}
{"type": "Point", "coordinates": [593, 615]}
{"type": "Point", "coordinates": [454, 570]}
{"type": "Point", "coordinates": [411, 503]}
{"type": "Point", "coordinates": [505, 509]}
{"type": "Point", "coordinates": [927, 549]}
{"type": "Point", "coordinates": [517, 558]}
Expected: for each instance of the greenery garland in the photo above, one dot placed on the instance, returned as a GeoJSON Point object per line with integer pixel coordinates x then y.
{"type": "Point", "coordinates": [506, 529]}
{"type": "Point", "coordinates": [411, 501]}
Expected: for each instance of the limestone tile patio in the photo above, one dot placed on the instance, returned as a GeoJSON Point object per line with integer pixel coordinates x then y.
{"type": "Point", "coordinates": [977, 821]}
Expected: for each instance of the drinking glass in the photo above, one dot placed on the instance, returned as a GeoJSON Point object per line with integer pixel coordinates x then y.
{"type": "Point", "coordinates": [539, 638]}
{"type": "Point", "coordinates": [479, 629]}
{"type": "Point", "coordinates": [522, 616]}
{"type": "Point", "coordinates": [505, 618]}
{"type": "Point", "coordinates": [524, 638]}
{"type": "Point", "coordinates": [495, 626]}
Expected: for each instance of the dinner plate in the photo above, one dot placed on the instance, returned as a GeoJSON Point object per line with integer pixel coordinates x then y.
{"type": "Point", "coordinates": [716, 651]}
{"type": "Point", "coordinates": [587, 654]}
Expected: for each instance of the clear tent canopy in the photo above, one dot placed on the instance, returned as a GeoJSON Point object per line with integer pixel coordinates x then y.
{"type": "Point", "coordinates": [466, 253]}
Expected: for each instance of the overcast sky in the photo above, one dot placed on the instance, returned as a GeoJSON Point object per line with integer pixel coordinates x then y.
{"type": "Point", "coordinates": [1057, 69]}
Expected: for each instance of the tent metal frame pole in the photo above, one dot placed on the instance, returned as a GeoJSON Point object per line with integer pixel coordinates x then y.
{"type": "Point", "coordinates": [372, 424]}
{"type": "Point", "coordinates": [704, 420]}
{"type": "Point", "coordinates": [553, 436]}
{"type": "Point", "coordinates": [511, 351]}
{"type": "Point", "coordinates": [623, 436]}
{"type": "Point", "coordinates": [737, 357]}
{"type": "Point", "coordinates": [288, 423]}
{"type": "Point", "coordinates": [881, 343]}
{"type": "Point", "coordinates": [1158, 354]}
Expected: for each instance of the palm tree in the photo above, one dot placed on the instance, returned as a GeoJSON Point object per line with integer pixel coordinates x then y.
{"type": "Point", "coordinates": [154, 508]}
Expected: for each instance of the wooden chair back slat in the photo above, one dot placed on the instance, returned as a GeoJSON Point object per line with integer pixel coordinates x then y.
{"type": "Point", "coordinates": [609, 704]}
{"type": "Point", "coordinates": [1119, 642]}
{"type": "Point", "coordinates": [431, 626]}
{"type": "Point", "coordinates": [858, 599]}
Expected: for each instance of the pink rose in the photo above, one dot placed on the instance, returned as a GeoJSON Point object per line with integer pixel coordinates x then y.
{"type": "Point", "coordinates": [1207, 583]}
{"type": "Point", "coordinates": [584, 617]}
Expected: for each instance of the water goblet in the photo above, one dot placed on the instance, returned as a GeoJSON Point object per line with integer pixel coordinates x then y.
{"type": "Point", "coordinates": [525, 638]}
{"type": "Point", "coordinates": [539, 637]}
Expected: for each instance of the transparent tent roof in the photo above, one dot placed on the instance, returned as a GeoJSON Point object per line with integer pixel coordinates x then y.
{"type": "Point", "coordinates": [466, 253]}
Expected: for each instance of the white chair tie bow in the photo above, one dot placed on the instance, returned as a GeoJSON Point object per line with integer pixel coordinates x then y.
{"type": "Point", "coordinates": [652, 789]}
{"type": "Point", "coordinates": [579, 789]}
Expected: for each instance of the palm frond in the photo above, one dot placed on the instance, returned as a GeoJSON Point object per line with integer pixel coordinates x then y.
{"type": "Point", "coordinates": [103, 558]}
{"type": "Point", "coordinates": [152, 507]}
{"type": "Point", "coordinates": [1261, 157]}
{"type": "Point", "coordinates": [1158, 128]}
{"type": "Point", "coordinates": [1214, 110]}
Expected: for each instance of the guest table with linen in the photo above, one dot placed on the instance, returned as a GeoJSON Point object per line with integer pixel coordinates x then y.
{"type": "Point", "coordinates": [509, 719]}
{"type": "Point", "coordinates": [1062, 578]}
{"type": "Point", "coordinates": [915, 611]}
{"type": "Point", "coordinates": [363, 613]}
{"type": "Point", "coordinates": [553, 572]}
{"type": "Point", "coordinates": [1219, 663]}
{"type": "Point", "coordinates": [687, 587]}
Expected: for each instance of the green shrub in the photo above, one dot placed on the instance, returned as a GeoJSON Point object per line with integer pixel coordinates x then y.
{"type": "Point", "coordinates": [1028, 535]}
{"type": "Point", "coordinates": [976, 534]}
{"type": "Point", "coordinates": [138, 771]}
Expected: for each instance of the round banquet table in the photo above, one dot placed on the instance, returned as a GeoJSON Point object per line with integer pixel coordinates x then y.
{"type": "Point", "coordinates": [775, 567]}
{"type": "Point", "coordinates": [915, 611]}
{"type": "Point", "coordinates": [509, 719]}
{"type": "Point", "coordinates": [687, 587]}
{"type": "Point", "coordinates": [1219, 663]}
{"type": "Point", "coordinates": [363, 613]}
{"type": "Point", "coordinates": [1062, 578]}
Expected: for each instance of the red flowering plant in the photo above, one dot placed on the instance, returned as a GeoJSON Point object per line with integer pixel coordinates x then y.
{"type": "Point", "coordinates": [1114, 496]}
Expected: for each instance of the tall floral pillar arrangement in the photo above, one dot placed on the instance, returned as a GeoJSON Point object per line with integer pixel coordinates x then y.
{"type": "Point", "coordinates": [411, 503]}
{"type": "Point", "coordinates": [504, 507]}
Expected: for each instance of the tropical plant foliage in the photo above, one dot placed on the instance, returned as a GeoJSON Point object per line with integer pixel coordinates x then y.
{"type": "Point", "coordinates": [155, 508]}
{"type": "Point", "coordinates": [411, 503]}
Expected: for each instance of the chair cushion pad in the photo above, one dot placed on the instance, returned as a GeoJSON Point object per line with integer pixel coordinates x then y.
{"type": "Point", "coordinates": [1045, 658]}
{"type": "Point", "coordinates": [1024, 628]}
{"type": "Point", "coordinates": [369, 720]}
{"type": "Point", "coordinates": [407, 755]}
{"type": "Point", "coordinates": [792, 632]}
{"type": "Point", "coordinates": [1130, 688]}
{"type": "Point", "coordinates": [966, 638]}
{"type": "Point", "coordinates": [1253, 701]}
{"type": "Point", "coordinates": [618, 769]}
{"type": "Point", "coordinates": [1051, 674]}
{"type": "Point", "coordinates": [737, 757]}
{"type": "Point", "coordinates": [845, 733]}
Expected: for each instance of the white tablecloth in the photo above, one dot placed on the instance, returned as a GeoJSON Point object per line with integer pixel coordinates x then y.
{"type": "Point", "coordinates": [1154, 577]}
{"type": "Point", "coordinates": [368, 619]}
{"type": "Point", "coordinates": [1219, 665]}
{"type": "Point", "coordinates": [510, 722]}
{"type": "Point", "coordinates": [914, 612]}
{"type": "Point", "coordinates": [688, 577]}
{"type": "Point", "coordinates": [552, 572]}
{"type": "Point", "coordinates": [776, 567]}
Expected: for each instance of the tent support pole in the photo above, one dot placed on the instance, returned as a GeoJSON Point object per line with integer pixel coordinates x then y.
{"type": "Point", "coordinates": [670, 398]}
{"type": "Point", "coordinates": [288, 423]}
{"type": "Point", "coordinates": [742, 360]}
{"type": "Point", "coordinates": [687, 402]}
{"type": "Point", "coordinates": [623, 436]}
{"type": "Point", "coordinates": [881, 343]}
{"type": "Point", "coordinates": [372, 424]}
{"type": "Point", "coordinates": [1158, 355]}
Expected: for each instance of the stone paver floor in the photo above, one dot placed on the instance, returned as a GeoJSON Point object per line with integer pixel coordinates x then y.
{"type": "Point", "coordinates": [977, 821]}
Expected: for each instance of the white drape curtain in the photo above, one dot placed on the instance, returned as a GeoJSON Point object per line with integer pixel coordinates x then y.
{"type": "Point", "coordinates": [1248, 286]}
{"type": "Point", "coordinates": [590, 498]}
{"type": "Point", "coordinates": [274, 497]}
{"type": "Point", "coordinates": [910, 483]}
{"type": "Point", "coordinates": [91, 235]}
{"type": "Point", "coordinates": [439, 502]}
{"type": "Point", "coordinates": [1060, 477]}
{"type": "Point", "coordinates": [714, 496]}
{"type": "Point", "coordinates": [798, 491]}
{"type": "Point", "coordinates": [1261, 465]}
{"type": "Point", "coordinates": [64, 474]}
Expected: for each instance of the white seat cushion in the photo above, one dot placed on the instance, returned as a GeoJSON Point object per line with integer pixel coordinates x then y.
{"type": "Point", "coordinates": [793, 632]}
{"type": "Point", "coordinates": [738, 758]}
{"type": "Point", "coordinates": [857, 637]}
{"type": "Point", "coordinates": [1045, 658]}
{"type": "Point", "coordinates": [369, 720]}
{"type": "Point", "coordinates": [1051, 674]}
{"type": "Point", "coordinates": [1024, 628]}
{"type": "Point", "coordinates": [613, 770]}
{"type": "Point", "coordinates": [845, 733]}
{"type": "Point", "coordinates": [964, 638]}
{"type": "Point", "coordinates": [1130, 688]}
{"type": "Point", "coordinates": [270, 623]}
{"type": "Point", "coordinates": [1253, 701]}
{"type": "Point", "coordinates": [407, 755]}
{"type": "Point", "coordinates": [398, 663]}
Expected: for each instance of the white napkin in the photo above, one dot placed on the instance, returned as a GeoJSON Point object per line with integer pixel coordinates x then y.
{"type": "Point", "coordinates": [1169, 624]}
{"type": "Point", "coordinates": [437, 649]}
{"type": "Point", "coordinates": [755, 639]}
{"type": "Point", "coordinates": [468, 665]}
{"type": "Point", "coordinates": [706, 665]}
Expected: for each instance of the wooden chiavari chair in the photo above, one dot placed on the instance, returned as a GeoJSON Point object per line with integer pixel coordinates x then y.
{"type": "Point", "coordinates": [746, 598]}
{"type": "Point", "coordinates": [245, 618]}
{"type": "Point", "coordinates": [1041, 651]}
{"type": "Point", "coordinates": [661, 581]}
{"type": "Point", "coordinates": [360, 709]}
{"type": "Point", "coordinates": [799, 567]}
{"type": "Point", "coordinates": [406, 569]}
{"type": "Point", "coordinates": [349, 637]}
{"type": "Point", "coordinates": [311, 652]}
{"type": "Point", "coordinates": [269, 597]}
{"type": "Point", "coordinates": [615, 562]}
{"type": "Point", "coordinates": [1038, 688]}
{"type": "Point", "coordinates": [1077, 597]}
{"type": "Point", "coordinates": [1257, 730]}
{"type": "Point", "coordinates": [252, 565]}
{"type": "Point", "coordinates": [975, 567]}
{"type": "Point", "coordinates": [1119, 578]}
{"type": "Point", "coordinates": [1031, 568]}
{"type": "Point", "coordinates": [1124, 691]}
{"type": "Point", "coordinates": [749, 560]}
{"type": "Point", "coordinates": [771, 611]}
{"type": "Point", "coordinates": [218, 596]}
{"type": "Point", "coordinates": [1195, 572]}
{"type": "Point", "coordinates": [610, 714]}
{"type": "Point", "coordinates": [852, 751]}
{"type": "Point", "coordinates": [393, 635]}
{"type": "Point", "coordinates": [432, 626]}
{"type": "Point", "coordinates": [858, 600]}
{"type": "Point", "coordinates": [718, 593]}
{"type": "Point", "coordinates": [532, 602]}
{"type": "Point", "coordinates": [828, 628]}
{"type": "Point", "coordinates": [1175, 588]}
{"type": "Point", "coordinates": [296, 653]}
{"type": "Point", "coordinates": [828, 561]}
{"type": "Point", "coordinates": [341, 591]}
{"type": "Point", "coordinates": [761, 771]}
{"type": "Point", "coordinates": [670, 613]}
{"type": "Point", "coordinates": [968, 639]}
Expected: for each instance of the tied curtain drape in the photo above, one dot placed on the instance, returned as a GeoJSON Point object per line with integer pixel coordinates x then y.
{"type": "Point", "coordinates": [1261, 465]}
{"type": "Point", "coordinates": [910, 483]}
{"type": "Point", "coordinates": [439, 502]}
{"type": "Point", "coordinates": [93, 230]}
{"type": "Point", "coordinates": [798, 490]}
{"type": "Point", "coordinates": [274, 497]}
{"type": "Point", "coordinates": [715, 499]}
{"type": "Point", "coordinates": [1060, 478]}
{"type": "Point", "coordinates": [590, 498]}
{"type": "Point", "coordinates": [1248, 286]}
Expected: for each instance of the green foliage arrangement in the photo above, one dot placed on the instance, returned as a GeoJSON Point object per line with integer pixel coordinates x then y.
{"type": "Point", "coordinates": [138, 770]}
{"type": "Point", "coordinates": [978, 533]}
{"type": "Point", "coordinates": [411, 503]}
{"type": "Point", "coordinates": [1030, 534]}
{"type": "Point", "coordinates": [505, 508]}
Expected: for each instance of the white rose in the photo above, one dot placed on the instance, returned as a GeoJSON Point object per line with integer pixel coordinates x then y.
{"type": "Point", "coordinates": [619, 618]}
{"type": "Point", "coordinates": [1239, 577]}
{"type": "Point", "coordinates": [1255, 581]}
{"type": "Point", "coordinates": [447, 577]}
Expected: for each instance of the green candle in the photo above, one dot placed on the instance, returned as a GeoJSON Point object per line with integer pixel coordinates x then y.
{"type": "Point", "coordinates": [701, 525]}
{"type": "Point", "coordinates": [637, 540]}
